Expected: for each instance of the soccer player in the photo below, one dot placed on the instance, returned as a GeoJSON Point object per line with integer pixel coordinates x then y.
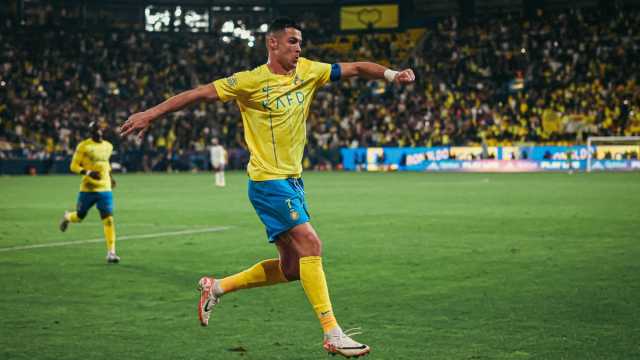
{"type": "Point", "coordinates": [274, 100]}
{"type": "Point", "coordinates": [91, 160]}
{"type": "Point", "coordinates": [218, 157]}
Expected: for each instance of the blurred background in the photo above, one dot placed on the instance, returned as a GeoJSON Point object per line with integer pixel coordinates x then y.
{"type": "Point", "coordinates": [502, 85]}
{"type": "Point", "coordinates": [430, 266]}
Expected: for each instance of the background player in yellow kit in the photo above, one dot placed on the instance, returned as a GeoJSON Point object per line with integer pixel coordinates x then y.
{"type": "Point", "coordinates": [91, 160]}
{"type": "Point", "coordinates": [274, 100]}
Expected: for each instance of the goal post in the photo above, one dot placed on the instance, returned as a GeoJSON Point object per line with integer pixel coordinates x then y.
{"type": "Point", "coordinates": [598, 146]}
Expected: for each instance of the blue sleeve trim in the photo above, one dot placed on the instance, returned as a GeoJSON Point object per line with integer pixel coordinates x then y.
{"type": "Point", "coordinates": [336, 72]}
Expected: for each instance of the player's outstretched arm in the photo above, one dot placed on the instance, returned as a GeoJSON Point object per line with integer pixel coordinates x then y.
{"type": "Point", "coordinates": [369, 70]}
{"type": "Point", "coordinates": [138, 123]}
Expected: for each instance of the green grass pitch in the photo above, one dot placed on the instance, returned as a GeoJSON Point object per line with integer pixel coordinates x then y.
{"type": "Point", "coordinates": [430, 266]}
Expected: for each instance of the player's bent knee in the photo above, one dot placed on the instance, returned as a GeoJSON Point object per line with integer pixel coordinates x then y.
{"type": "Point", "coordinates": [291, 272]}
{"type": "Point", "coordinates": [310, 245]}
{"type": "Point", "coordinates": [290, 266]}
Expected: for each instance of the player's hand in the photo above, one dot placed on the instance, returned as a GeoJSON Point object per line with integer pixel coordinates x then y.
{"type": "Point", "coordinates": [94, 175]}
{"type": "Point", "coordinates": [113, 183]}
{"type": "Point", "coordinates": [137, 124]}
{"type": "Point", "coordinates": [405, 76]}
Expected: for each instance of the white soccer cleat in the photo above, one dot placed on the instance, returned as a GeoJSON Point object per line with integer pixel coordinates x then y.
{"type": "Point", "coordinates": [64, 223]}
{"type": "Point", "coordinates": [208, 299]}
{"type": "Point", "coordinates": [112, 258]}
{"type": "Point", "coordinates": [342, 344]}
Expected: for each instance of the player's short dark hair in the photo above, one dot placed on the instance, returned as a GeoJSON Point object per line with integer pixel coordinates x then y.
{"type": "Point", "coordinates": [282, 23]}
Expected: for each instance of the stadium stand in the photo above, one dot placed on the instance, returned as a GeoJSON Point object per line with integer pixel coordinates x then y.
{"type": "Point", "coordinates": [579, 69]}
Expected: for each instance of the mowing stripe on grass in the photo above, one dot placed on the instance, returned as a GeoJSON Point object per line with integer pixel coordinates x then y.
{"type": "Point", "coordinates": [130, 237]}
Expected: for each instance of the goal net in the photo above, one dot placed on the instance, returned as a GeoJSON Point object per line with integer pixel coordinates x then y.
{"type": "Point", "coordinates": [617, 152]}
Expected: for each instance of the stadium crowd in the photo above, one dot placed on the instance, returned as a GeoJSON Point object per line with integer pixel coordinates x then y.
{"type": "Point", "coordinates": [550, 79]}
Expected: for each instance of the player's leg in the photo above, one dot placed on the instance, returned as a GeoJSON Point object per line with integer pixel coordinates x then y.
{"type": "Point", "coordinates": [302, 245]}
{"type": "Point", "coordinates": [265, 273]}
{"type": "Point", "coordinates": [269, 199]}
{"type": "Point", "coordinates": [106, 207]}
{"type": "Point", "coordinates": [300, 251]}
{"type": "Point", "coordinates": [218, 170]}
{"type": "Point", "coordinates": [283, 211]}
{"type": "Point", "coordinates": [214, 168]}
{"type": "Point", "coordinates": [85, 201]}
{"type": "Point", "coordinates": [221, 174]}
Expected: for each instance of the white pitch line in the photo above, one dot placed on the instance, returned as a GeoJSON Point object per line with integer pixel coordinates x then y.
{"type": "Point", "coordinates": [130, 237]}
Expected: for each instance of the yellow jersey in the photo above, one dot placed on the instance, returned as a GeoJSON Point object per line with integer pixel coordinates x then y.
{"type": "Point", "coordinates": [93, 156]}
{"type": "Point", "coordinates": [274, 112]}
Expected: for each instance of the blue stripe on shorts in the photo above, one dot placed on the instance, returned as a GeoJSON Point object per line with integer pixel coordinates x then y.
{"type": "Point", "coordinates": [280, 204]}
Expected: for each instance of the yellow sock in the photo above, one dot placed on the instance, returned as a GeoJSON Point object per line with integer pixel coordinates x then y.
{"type": "Point", "coordinates": [264, 273]}
{"type": "Point", "coordinates": [73, 217]}
{"type": "Point", "coordinates": [109, 233]}
{"type": "Point", "coordinates": [315, 286]}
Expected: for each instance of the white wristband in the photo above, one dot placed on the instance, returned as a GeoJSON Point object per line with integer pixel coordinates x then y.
{"type": "Point", "coordinates": [390, 75]}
